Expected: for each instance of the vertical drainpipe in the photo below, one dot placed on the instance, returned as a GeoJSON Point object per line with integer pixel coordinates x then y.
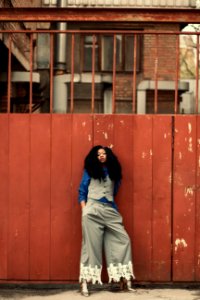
{"type": "Point", "coordinates": [60, 57]}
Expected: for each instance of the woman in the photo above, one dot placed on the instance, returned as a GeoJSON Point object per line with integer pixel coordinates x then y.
{"type": "Point", "coordinates": [101, 222]}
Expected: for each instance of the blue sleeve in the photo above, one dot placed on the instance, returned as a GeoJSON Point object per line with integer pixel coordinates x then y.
{"type": "Point", "coordinates": [83, 188]}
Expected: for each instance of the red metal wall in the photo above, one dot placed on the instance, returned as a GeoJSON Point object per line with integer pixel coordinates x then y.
{"type": "Point", "coordinates": [41, 159]}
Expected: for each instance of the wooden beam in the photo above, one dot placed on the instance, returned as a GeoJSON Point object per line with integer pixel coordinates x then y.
{"type": "Point", "coordinates": [150, 15]}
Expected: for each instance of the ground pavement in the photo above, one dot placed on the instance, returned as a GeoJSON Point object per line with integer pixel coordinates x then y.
{"type": "Point", "coordinates": [71, 292]}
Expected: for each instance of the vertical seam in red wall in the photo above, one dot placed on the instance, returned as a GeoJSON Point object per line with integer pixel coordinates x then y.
{"type": "Point", "coordinates": [133, 185]}
{"type": "Point", "coordinates": [172, 194]}
{"type": "Point", "coordinates": [50, 196]}
{"type": "Point", "coordinates": [152, 190]}
{"type": "Point", "coordinates": [8, 208]}
{"type": "Point", "coordinates": [195, 208]}
{"type": "Point", "coordinates": [29, 203]}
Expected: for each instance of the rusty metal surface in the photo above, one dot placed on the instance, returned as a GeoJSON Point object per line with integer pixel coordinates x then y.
{"type": "Point", "coordinates": [101, 14]}
{"type": "Point", "coordinates": [184, 199]}
{"type": "Point", "coordinates": [39, 209]}
{"type": "Point", "coordinates": [159, 197]}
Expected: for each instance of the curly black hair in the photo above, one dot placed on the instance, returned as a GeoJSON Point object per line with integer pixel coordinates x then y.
{"type": "Point", "coordinates": [94, 167]}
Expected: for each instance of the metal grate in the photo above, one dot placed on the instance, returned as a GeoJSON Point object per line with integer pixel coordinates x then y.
{"type": "Point", "coordinates": [100, 71]}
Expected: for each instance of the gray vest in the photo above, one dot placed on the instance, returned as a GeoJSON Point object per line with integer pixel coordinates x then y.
{"type": "Point", "coordinates": [99, 189]}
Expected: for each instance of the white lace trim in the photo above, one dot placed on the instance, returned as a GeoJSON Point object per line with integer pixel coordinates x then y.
{"type": "Point", "coordinates": [116, 272]}
{"type": "Point", "coordinates": [90, 274]}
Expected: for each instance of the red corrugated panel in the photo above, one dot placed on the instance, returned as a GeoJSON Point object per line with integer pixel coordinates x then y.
{"type": "Point", "coordinates": [197, 207]}
{"type": "Point", "coordinates": [103, 130]}
{"type": "Point", "coordinates": [19, 198]}
{"type": "Point", "coordinates": [123, 147]}
{"type": "Point", "coordinates": [4, 188]}
{"type": "Point", "coordinates": [40, 201]}
{"type": "Point", "coordinates": [41, 166]}
{"type": "Point", "coordinates": [61, 197]}
{"type": "Point", "coordinates": [161, 209]}
{"type": "Point", "coordinates": [142, 176]}
{"type": "Point", "coordinates": [184, 198]}
{"type": "Point", "coordinates": [81, 143]}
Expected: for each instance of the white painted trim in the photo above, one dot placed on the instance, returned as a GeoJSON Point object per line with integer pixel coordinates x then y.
{"type": "Point", "coordinates": [21, 76]}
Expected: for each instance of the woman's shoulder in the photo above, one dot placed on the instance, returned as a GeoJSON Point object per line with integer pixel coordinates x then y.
{"type": "Point", "coordinates": [86, 174]}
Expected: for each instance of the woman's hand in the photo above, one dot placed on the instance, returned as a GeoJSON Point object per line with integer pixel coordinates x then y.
{"type": "Point", "coordinates": [83, 204]}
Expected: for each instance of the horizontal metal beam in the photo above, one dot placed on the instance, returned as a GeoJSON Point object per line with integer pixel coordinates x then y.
{"type": "Point", "coordinates": [153, 15]}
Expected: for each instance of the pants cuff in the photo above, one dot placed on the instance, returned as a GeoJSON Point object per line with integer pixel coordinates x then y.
{"type": "Point", "coordinates": [116, 272]}
{"type": "Point", "coordinates": [90, 274]}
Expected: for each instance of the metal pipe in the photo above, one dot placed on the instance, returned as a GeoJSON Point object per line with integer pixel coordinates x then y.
{"type": "Point", "coordinates": [31, 75]}
{"type": "Point", "coordinates": [88, 31]}
{"type": "Point", "coordinates": [60, 92]}
{"type": "Point", "coordinates": [60, 42]}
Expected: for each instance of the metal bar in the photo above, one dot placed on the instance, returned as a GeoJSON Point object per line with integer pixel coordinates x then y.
{"type": "Point", "coordinates": [149, 32]}
{"type": "Point", "coordinates": [134, 73]}
{"type": "Point", "coordinates": [156, 77]}
{"type": "Point", "coordinates": [176, 75]}
{"type": "Point", "coordinates": [93, 72]}
{"type": "Point", "coordinates": [9, 73]}
{"type": "Point", "coordinates": [31, 74]}
{"type": "Point", "coordinates": [197, 78]}
{"type": "Point", "coordinates": [114, 73]}
{"type": "Point", "coordinates": [101, 14]}
{"type": "Point", "coordinates": [51, 70]}
{"type": "Point", "coordinates": [72, 75]}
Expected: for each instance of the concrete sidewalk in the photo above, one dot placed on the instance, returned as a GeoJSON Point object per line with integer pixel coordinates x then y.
{"type": "Point", "coordinates": [71, 292]}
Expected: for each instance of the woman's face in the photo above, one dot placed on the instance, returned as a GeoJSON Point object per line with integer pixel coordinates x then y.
{"type": "Point", "coordinates": [101, 155]}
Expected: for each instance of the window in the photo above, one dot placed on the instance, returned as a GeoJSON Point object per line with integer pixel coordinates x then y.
{"type": "Point", "coordinates": [104, 46]}
{"type": "Point", "coordinates": [87, 53]}
{"type": "Point", "coordinates": [107, 44]}
{"type": "Point", "coordinates": [124, 53]}
{"type": "Point", "coordinates": [129, 52]}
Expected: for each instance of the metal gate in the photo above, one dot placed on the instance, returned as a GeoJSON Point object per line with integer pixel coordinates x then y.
{"type": "Point", "coordinates": [41, 158]}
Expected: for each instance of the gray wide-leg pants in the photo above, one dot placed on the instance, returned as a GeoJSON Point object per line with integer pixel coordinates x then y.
{"type": "Point", "coordinates": [102, 227]}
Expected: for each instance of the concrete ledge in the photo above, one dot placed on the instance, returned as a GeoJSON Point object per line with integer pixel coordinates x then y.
{"type": "Point", "coordinates": [21, 77]}
{"type": "Point", "coordinates": [162, 85]}
{"type": "Point", "coordinates": [84, 78]}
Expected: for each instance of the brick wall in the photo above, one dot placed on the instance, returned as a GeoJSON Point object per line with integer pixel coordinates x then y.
{"type": "Point", "coordinates": [166, 54]}
{"type": "Point", "coordinates": [166, 61]}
